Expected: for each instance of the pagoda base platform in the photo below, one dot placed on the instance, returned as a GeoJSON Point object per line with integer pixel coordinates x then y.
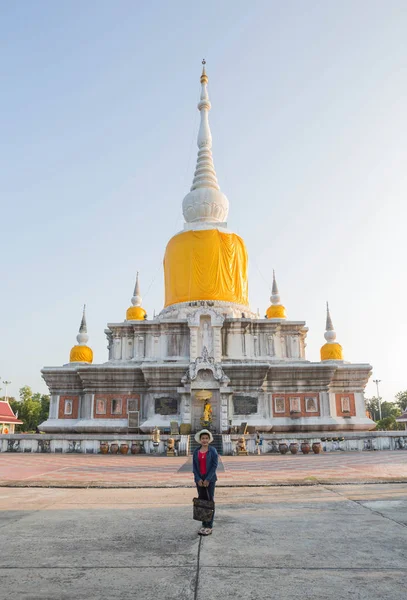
{"type": "Point", "coordinates": [345, 441]}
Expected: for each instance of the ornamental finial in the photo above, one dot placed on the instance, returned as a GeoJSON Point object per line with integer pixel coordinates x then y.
{"type": "Point", "coordinates": [330, 333]}
{"type": "Point", "coordinates": [205, 203]}
{"type": "Point", "coordinates": [136, 299]}
{"type": "Point", "coordinates": [275, 296]}
{"type": "Point", "coordinates": [204, 77]}
{"type": "Point", "coordinates": [81, 352]}
{"type": "Point", "coordinates": [329, 325]}
{"type": "Point", "coordinates": [82, 336]}
{"type": "Point", "coordinates": [276, 310]}
{"type": "Point", "coordinates": [332, 350]}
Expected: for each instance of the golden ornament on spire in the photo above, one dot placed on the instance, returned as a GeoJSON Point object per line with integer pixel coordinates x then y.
{"type": "Point", "coordinates": [204, 77]}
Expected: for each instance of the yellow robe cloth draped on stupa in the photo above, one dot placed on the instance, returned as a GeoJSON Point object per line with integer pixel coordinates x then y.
{"type": "Point", "coordinates": [206, 265]}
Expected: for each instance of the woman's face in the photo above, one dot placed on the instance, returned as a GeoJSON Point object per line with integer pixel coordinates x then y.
{"type": "Point", "coordinates": [204, 439]}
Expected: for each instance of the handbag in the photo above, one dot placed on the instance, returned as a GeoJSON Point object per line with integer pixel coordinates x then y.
{"type": "Point", "coordinates": [203, 509]}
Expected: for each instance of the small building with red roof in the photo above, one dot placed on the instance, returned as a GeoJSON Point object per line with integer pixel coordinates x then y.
{"type": "Point", "coordinates": [8, 419]}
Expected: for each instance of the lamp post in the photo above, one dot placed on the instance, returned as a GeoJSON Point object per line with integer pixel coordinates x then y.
{"type": "Point", "coordinates": [377, 381]}
{"type": "Point", "coordinates": [6, 383]}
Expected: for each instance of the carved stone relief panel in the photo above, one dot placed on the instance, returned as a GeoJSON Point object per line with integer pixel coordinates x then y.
{"type": "Point", "coordinates": [245, 405]}
{"type": "Point", "coordinates": [166, 405]}
{"type": "Point", "coordinates": [205, 335]}
{"type": "Point", "coordinates": [205, 375]}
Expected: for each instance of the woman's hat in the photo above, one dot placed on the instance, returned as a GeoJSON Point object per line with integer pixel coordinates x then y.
{"type": "Point", "coordinates": [198, 435]}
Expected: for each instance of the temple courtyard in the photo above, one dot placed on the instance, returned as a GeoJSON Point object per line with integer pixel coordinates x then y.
{"type": "Point", "coordinates": [87, 470]}
{"type": "Point", "coordinates": [286, 527]}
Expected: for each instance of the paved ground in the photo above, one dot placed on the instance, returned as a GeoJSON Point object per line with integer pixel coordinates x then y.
{"type": "Point", "coordinates": [293, 543]}
{"type": "Point", "coordinates": [86, 470]}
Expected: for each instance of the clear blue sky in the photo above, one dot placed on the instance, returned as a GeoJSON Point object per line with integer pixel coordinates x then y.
{"type": "Point", "coordinates": [97, 150]}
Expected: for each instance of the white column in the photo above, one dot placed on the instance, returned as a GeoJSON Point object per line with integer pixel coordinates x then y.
{"type": "Point", "coordinates": [117, 348]}
{"type": "Point", "coordinates": [53, 408]}
{"type": "Point", "coordinates": [137, 346]}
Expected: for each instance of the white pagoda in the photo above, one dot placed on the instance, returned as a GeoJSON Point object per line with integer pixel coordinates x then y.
{"type": "Point", "coordinates": [206, 338]}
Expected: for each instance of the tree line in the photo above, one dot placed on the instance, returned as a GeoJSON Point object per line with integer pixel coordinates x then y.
{"type": "Point", "coordinates": [390, 411]}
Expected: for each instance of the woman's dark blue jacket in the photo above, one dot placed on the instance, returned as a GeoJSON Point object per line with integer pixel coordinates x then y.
{"type": "Point", "coordinates": [211, 465]}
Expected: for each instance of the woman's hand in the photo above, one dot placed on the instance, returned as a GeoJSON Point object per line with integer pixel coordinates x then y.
{"type": "Point", "coordinates": [200, 483]}
{"type": "Point", "coordinates": [205, 483]}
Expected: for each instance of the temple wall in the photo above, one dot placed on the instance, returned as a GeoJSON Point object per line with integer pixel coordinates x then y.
{"type": "Point", "coordinates": [90, 443]}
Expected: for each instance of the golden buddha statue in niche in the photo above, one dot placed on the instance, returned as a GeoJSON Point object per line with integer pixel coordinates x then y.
{"type": "Point", "coordinates": [207, 412]}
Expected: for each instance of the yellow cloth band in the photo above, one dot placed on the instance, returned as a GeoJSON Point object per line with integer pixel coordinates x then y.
{"type": "Point", "coordinates": [276, 311]}
{"type": "Point", "coordinates": [206, 265]}
{"type": "Point", "coordinates": [81, 354]}
{"type": "Point", "coordinates": [332, 352]}
{"type": "Point", "coordinates": [135, 313]}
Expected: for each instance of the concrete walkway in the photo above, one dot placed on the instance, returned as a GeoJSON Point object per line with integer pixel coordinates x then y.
{"type": "Point", "coordinates": [87, 470]}
{"type": "Point", "coordinates": [289, 543]}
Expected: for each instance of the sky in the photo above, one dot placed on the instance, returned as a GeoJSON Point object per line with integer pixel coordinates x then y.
{"type": "Point", "coordinates": [98, 121]}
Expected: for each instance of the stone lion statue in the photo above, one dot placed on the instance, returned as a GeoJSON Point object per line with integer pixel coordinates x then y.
{"type": "Point", "coordinates": [171, 447]}
{"type": "Point", "coordinates": [241, 446]}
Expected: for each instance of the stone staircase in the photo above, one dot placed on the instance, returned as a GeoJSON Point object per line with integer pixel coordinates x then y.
{"type": "Point", "coordinates": [217, 443]}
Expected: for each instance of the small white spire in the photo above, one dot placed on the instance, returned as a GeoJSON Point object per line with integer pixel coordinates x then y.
{"type": "Point", "coordinates": [330, 333]}
{"type": "Point", "coordinates": [136, 299]}
{"type": "Point", "coordinates": [82, 337]}
{"type": "Point", "coordinates": [275, 296]}
{"type": "Point", "coordinates": [205, 202]}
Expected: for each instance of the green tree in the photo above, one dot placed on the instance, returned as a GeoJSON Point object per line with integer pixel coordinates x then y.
{"type": "Point", "coordinates": [389, 424]}
{"type": "Point", "coordinates": [401, 400]}
{"type": "Point", "coordinates": [390, 409]}
{"type": "Point", "coordinates": [44, 408]}
{"type": "Point", "coordinates": [30, 409]}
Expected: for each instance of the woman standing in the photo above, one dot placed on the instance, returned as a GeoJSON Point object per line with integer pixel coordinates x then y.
{"type": "Point", "coordinates": [205, 463]}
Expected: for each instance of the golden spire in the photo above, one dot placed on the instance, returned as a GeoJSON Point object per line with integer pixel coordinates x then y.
{"type": "Point", "coordinates": [81, 352]}
{"type": "Point", "coordinates": [136, 312]}
{"type": "Point", "coordinates": [276, 310]}
{"type": "Point", "coordinates": [332, 350]}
